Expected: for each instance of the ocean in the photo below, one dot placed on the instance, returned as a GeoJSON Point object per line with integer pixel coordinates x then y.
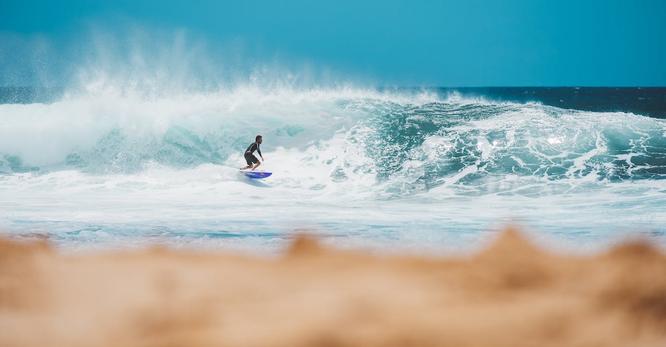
{"type": "Point", "coordinates": [407, 170]}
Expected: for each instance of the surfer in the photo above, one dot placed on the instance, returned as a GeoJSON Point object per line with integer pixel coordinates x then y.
{"type": "Point", "coordinates": [252, 161]}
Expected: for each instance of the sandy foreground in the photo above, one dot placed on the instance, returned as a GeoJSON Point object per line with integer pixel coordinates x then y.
{"type": "Point", "coordinates": [511, 294]}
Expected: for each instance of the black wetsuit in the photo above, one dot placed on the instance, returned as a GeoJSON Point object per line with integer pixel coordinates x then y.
{"type": "Point", "coordinates": [249, 157]}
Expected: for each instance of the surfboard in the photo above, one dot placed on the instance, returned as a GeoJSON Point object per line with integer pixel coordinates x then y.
{"type": "Point", "coordinates": [256, 174]}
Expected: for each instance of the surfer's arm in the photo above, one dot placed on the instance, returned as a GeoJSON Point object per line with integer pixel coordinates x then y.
{"type": "Point", "coordinates": [259, 151]}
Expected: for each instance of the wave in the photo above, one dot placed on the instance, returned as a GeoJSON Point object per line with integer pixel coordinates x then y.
{"type": "Point", "coordinates": [403, 142]}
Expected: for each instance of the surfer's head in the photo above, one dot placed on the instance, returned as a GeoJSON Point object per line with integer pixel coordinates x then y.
{"type": "Point", "coordinates": [257, 139]}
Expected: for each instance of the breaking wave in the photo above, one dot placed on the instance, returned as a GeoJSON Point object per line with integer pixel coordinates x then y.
{"type": "Point", "coordinates": [403, 141]}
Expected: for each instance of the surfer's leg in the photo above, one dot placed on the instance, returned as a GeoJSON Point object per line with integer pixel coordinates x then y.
{"type": "Point", "coordinates": [249, 159]}
{"type": "Point", "coordinates": [256, 165]}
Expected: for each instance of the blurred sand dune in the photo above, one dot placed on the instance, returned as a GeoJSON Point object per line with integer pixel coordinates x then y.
{"type": "Point", "coordinates": [511, 294]}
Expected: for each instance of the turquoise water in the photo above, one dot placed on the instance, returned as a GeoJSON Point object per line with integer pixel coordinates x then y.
{"type": "Point", "coordinates": [419, 170]}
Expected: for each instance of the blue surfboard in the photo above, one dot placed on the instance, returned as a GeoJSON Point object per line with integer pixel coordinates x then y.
{"type": "Point", "coordinates": [257, 174]}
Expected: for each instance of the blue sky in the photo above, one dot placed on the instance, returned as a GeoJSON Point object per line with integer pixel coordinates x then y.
{"type": "Point", "coordinates": [404, 43]}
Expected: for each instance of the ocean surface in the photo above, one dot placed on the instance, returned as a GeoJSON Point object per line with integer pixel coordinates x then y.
{"type": "Point", "coordinates": [416, 170]}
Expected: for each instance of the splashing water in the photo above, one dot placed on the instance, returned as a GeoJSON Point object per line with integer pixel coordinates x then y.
{"type": "Point", "coordinates": [390, 170]}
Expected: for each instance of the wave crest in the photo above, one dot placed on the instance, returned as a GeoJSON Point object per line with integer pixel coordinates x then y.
{"type": "Point", "coordinates": [407, 141]}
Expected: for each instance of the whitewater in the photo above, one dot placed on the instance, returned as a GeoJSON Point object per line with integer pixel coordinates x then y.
{"type": "Point", "coordinates": [407, 170]}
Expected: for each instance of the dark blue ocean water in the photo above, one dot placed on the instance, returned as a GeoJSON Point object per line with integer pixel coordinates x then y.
{"type": "Point", "coordinates": [650, 101]}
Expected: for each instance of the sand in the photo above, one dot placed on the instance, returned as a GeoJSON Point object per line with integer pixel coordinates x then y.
{"type": "Point", "coordinates": [510, 294]}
